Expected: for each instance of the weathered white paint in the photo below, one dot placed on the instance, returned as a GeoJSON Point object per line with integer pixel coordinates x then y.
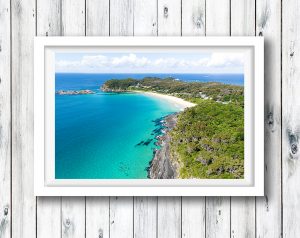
{"type": "Point", "coordinates": [97, 17]}
{"type": "Point", "coordinates": [121, 217]}
{"type": "Point", "coordinates": [50, 221]}
{"type": "Point", "coordinates": [290, 118]}
{"type": "Point", "coordinates": [5, 120]}
{"type": "Point", "coordinates": [268, 208]}
{"type": "Point", "coordinates": [242, 209]}
{"type": "Point", "coordinates": [193, 17]}
{"type": "Point", "coordinates": [23, 15]}
{"type": "Point", "coordinates": [169, 17]}
{"type": "Point", "coordinates": [169, 217]}
{"type": "Point", "coordinates": [97, 217]}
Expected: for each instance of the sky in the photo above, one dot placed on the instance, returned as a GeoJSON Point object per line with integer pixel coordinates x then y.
{"type": "Point", "coordinates": [146, 62]}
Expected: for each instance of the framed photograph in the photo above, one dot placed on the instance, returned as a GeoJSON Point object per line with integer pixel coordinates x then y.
{"type": "Point", "coordinates": [149, 116]}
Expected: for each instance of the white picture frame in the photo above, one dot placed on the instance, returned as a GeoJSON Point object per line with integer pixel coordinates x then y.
{"type": "Point", "coordinates": [45, 183]}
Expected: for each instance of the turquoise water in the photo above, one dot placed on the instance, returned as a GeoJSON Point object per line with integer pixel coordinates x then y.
{"type": "Point", "coordinates": [105, 135]}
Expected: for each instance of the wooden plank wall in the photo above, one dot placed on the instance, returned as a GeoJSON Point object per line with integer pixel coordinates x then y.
{"type": "Point", "coordinates": [274, 215]}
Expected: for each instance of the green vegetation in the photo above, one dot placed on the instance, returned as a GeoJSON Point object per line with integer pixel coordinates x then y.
{"type": "Point", "coordinates": [208, 140]}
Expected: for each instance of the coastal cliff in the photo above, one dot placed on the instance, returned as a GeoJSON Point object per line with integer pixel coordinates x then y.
{"type": "Point", "coordinates": [161, 166]}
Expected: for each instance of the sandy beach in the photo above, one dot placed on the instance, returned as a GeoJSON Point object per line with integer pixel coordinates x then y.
{"type": "Point", "coordinates": [177, 102]}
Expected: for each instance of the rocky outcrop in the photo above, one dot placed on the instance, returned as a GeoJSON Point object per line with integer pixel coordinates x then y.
{"type": "Point", "coordinates": [105, 88]}
{"type": "Point", "coordinates": [74, 92]}
{"type": "Point", "coordinates": [161, 166]}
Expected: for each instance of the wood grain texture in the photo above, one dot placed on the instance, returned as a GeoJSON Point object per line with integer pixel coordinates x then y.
{"type": "Point", "coordinates": [218, 17]}
{"type": "Point", "coordinates": [73, 217]}
{"type": "Point", "coordinates": [5, 120]}
{"type": "Point", "coordinates": [169, 217]}
{"type": "Point", "coordinates": [97, 17]}
{"type": "Point", "coordinates": [242, 208]}
{"type": "Point", "coordinates": [193, 17]}
{"type": "Point", "coordinates": [145, 217]}
{"type": "Point", "coordinates": [48, 18]}
{"type": "Point", "coordinates": [268, 208]}
{"type": "Point", "coordinates": [218, 208]}
{"type": "Point", "coordinates": [73, 208]}
{"type": "Point", "coordinates": [48, 208]}
{"type": "Point", "coordinates": [73, 17]}
{"type": "Point", "coordinates": [169, 17]}
{"type": "Point", "coordinates": [193, 217]}
{"type": "Point", "coordinates": [290, 117]}
{"type": "Point", "coordinates": [97, 217]}
{"type": "Point", "coordinates": [121, 217]}
{"type": "Point", "coordinates": [23, 16]}
{"type": "Point", "coordinates": [48, 223]}
{"type": "Point", "coordinates": [121, 17]}
{"type": "Point", "coordinates": [145, 17]}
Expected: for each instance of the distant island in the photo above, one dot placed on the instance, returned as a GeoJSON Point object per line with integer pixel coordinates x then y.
{"type": "Point", "coordinates": [206, 140]}
{"type": "Point", "coordinates": [74, 92]}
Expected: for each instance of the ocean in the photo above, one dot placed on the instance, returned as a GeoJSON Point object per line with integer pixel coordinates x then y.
{"type": "Point", "coordinates": [110, 135]}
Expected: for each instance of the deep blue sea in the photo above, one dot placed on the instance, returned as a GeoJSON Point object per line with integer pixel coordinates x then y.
{"type": "Point", "coordinates": [110, 135]}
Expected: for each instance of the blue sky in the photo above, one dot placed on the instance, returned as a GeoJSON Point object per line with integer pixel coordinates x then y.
{"type": "Point", "coordinates": [158, 62]}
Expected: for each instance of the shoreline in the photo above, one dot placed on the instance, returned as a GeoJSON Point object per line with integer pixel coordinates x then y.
{"type": "Point", "coordinates": [161, 166]}
{"type": "Point", "coordinates": [177, 102]}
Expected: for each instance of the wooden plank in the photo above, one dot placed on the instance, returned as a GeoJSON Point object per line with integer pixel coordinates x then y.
{"type": "Point", "coordinates": [97, 17]}
{"type": "Point", "coordinates": [242, 217]}
{"type": "Point", "coordinates": [5, 120]}
{"type": "Point", "coordinates": [169, 17]}
{"type": "Point", "coordinates": [145, 208]}
{"type": "Point", "coordinates": [242, 208]}
{"type": "Point", "coordinates": [218, 208]}
{"type": "Point", "coordinates": [242, 18]}
{"type": "Point", "coordinates": [290, 117]}
{"type": "Point", "coordinates": [73, 217]}
{"type": "Point", "coordinates": [97, 217]}
{"type": "Point", "coordinates": [217, 217]}
{"type": "Point", "coordinates": [48, 223]}
{"type": "Point", "coordinates": [169, 217]}
{"type": "Point", "coordinates": [121, 17]}
{"type": "Point", "coordinates": [218, 17]}
{"type": "Point", "coordinates": [169, 208]}
{"type": "Point", "coordinates": [193, 217]}
{"type": "Point", "coordinates": [23, 200]}
{"type": "Point", "coordinates": [145, 217]}
{"type": "Point", "coordinates": [193, 208]}
{"type": "Point", "coordinates": [97, 208]}
{"type": "Point", "coordinates": [145, 17]}
{"type": "Point", "coordinates": [73, 208]}
{"type": "Point", "coordinates": [73, 17]}
{"type": "Point", "coordinates": [268, 208]}
{"type": "Point", "coordinates": [48, 208]}
{"type": "Point", "coordinates": [121, 217]}
{"type": "Point", "coordinates": [193, 17]}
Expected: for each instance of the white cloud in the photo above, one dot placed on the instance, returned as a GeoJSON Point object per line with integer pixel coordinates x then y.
{"type": "Point", "coordinates": [225, 60]}
{"type": "Point", "coordinates": [215, 60]}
